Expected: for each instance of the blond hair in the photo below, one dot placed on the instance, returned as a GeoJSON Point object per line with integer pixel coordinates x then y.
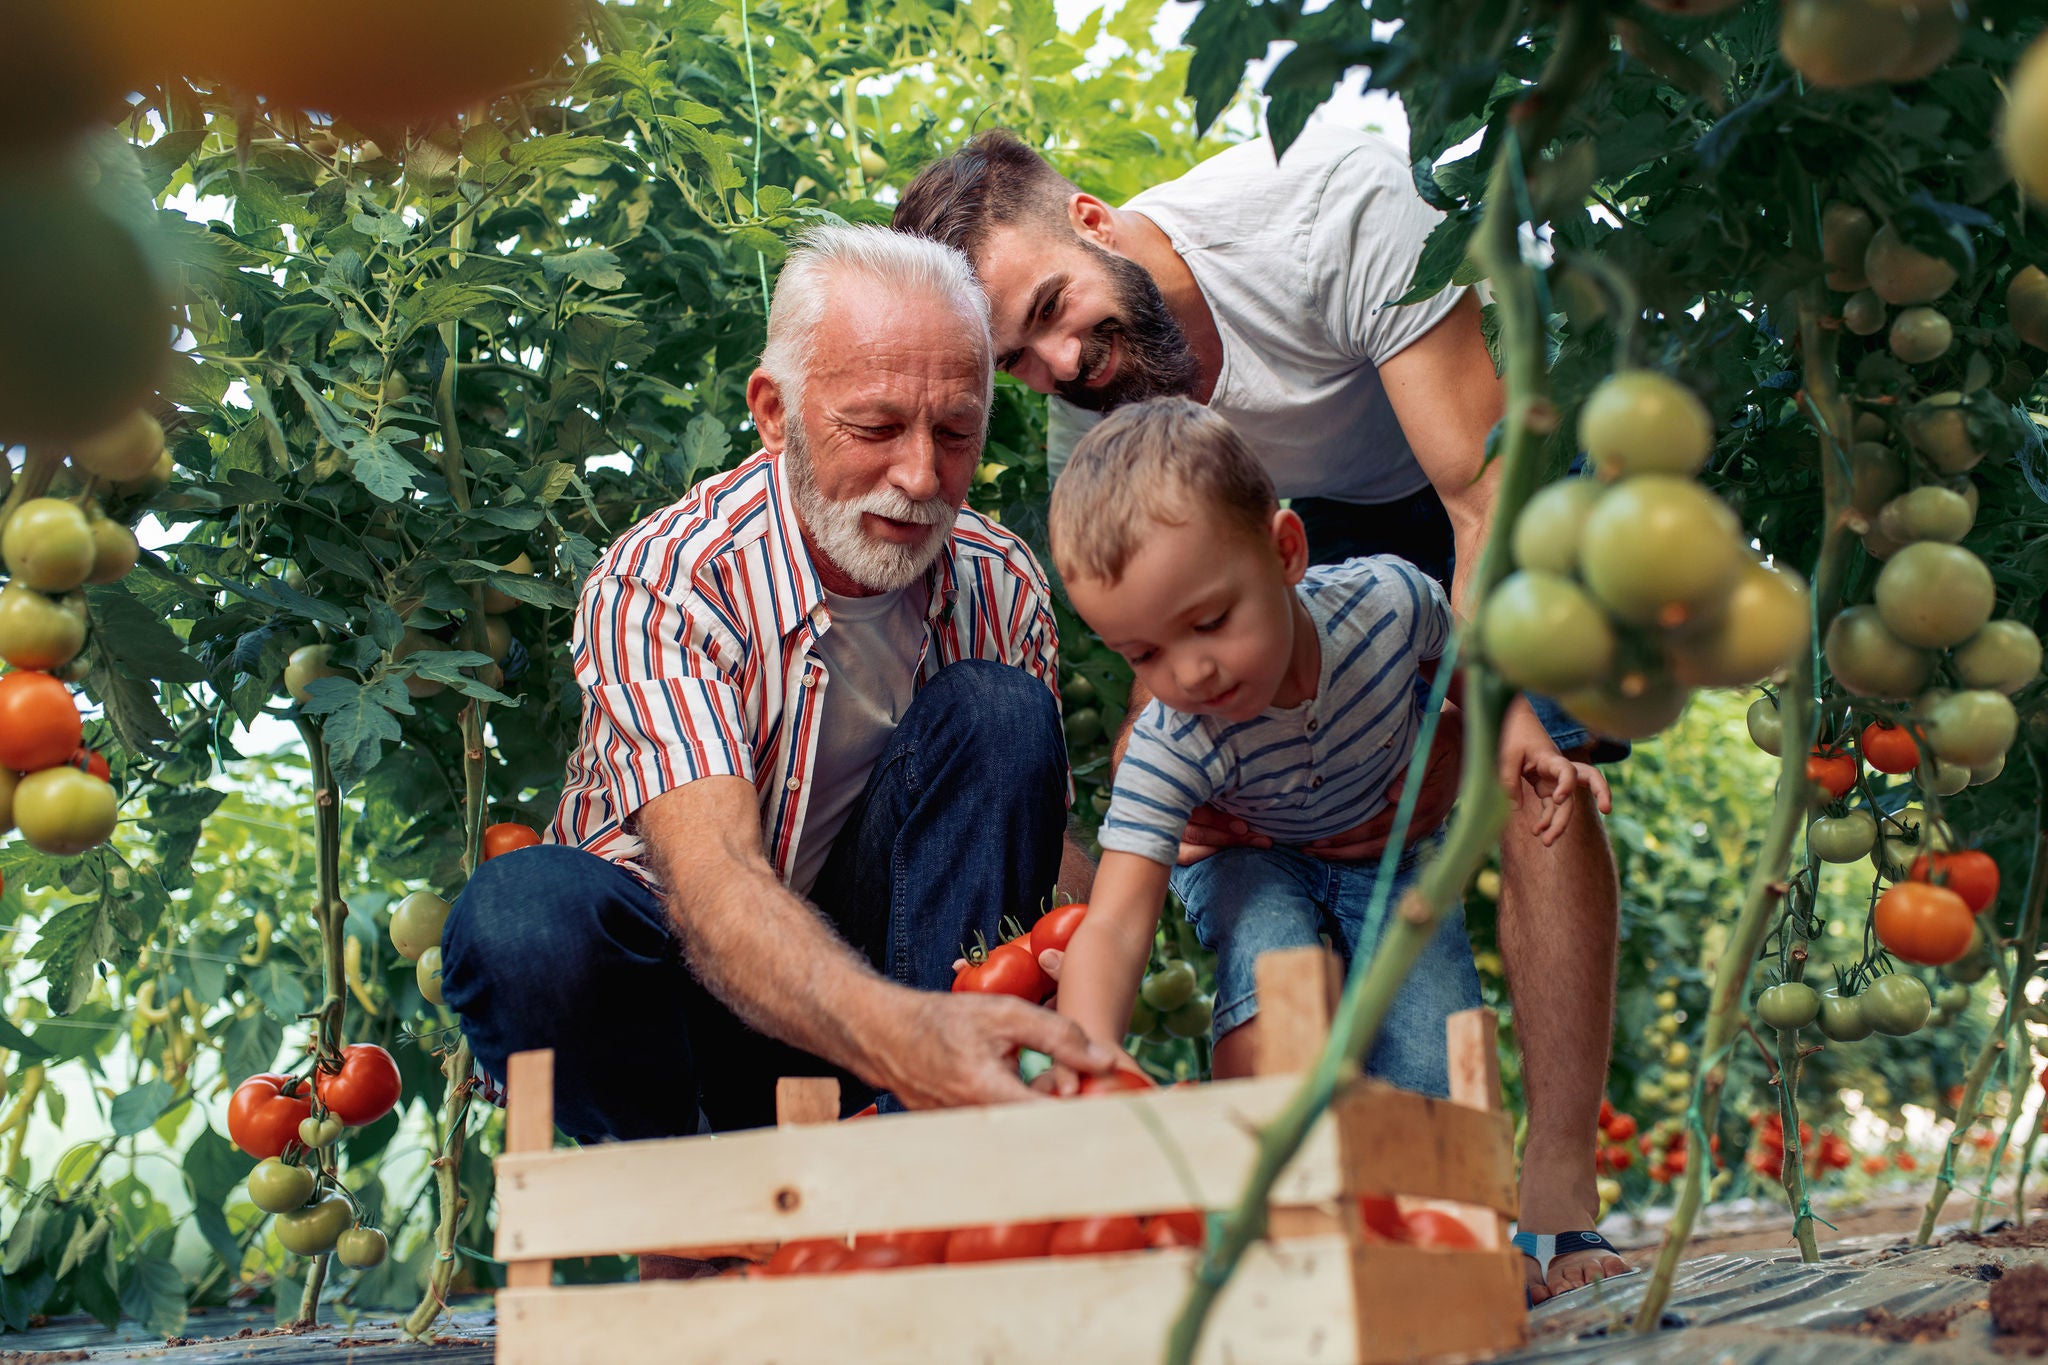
{"type": "Point", "coordinates": [1149, 464]}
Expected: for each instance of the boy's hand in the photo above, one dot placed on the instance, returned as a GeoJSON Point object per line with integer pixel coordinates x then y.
{"type": "Point", "coordinates": [1530, 765]}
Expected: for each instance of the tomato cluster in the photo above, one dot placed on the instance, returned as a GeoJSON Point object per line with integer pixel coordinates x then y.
{"type": "Point", "coordinates": [1767, 1148]}
{"type": "Point", "coordinates": [54, 790]}
{"type": "Point", "coordinates": [1636, 585]}
{"type": "Point", "coordinates": [289, 1125]}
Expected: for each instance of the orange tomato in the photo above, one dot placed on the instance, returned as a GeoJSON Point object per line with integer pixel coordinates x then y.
{"type": "Point", "coordinates": [1889, 748]}
{"type": "Point", "coordinates": [1970, 873]}
{"type": "Point", "coordinates": [39, 722]}
{"type": "Point", "coordinates": [1923, 923]}
{"type": "Point", "coordinates": [503, 839]}
{"type": "Point", "coordinates": [1833, 771]}
{"type": "Point", "coordinates": [1436, 1228]}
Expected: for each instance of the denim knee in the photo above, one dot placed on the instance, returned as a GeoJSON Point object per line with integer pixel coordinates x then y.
{"type": "Point", "coordinates": [1244, 902]}
{"type": "Point", "coordinates": [1002, 717]}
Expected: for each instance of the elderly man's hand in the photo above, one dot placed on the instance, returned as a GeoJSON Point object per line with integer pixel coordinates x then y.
{"type": "Point", "coordinates": [947, 1050]}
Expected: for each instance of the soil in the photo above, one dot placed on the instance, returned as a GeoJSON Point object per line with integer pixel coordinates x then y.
{"type": "Point", "coordinates": [1921, 1327]}
{"type": "Point", "coordinates": [2019, 1310]}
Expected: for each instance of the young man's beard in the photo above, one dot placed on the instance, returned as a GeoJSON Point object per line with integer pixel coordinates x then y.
{"type": "Point", "coordinates": [835, 524]}
{"type": "Point", "coordinates": [1154, 359]}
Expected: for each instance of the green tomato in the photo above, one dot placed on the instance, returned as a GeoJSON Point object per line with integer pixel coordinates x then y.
{"type": "Point", "coordinates": [1789, 1004]}
{"type": "Point", "coordinates": [38, 631]}
{"type": "Point", "coordinates": [1929, 512]}
{"type": "Point", "coordinates": [319, 1134]}
{"type": "Point", "coordinates": [1192, 1019]}
{"type": "Point", "coordinates": [2004, 656]}
{"type": "Point", "coordinates": [1933, 595]}
{"type": "Point", "coordinates": [47, 545]}
{"type": "Point", "coordinates": [1660, 550]}
{"type": "Point", "coordinates": [316, 1227]}
{"type": "Point", "coordinates": [1078, 691]}
{"type": "Point", "coordinates": [1546, 537]}
{"type": "Point", "coordinates": [1976, 962]}
{"type": "Point", "coordinates": [1953, 998]}
{"type": "Point", "coordinates": [1642, 422]}
{"type": "Point", "coordinates": [1870, 661]}
{"type": "Point", "coordinates": [276, 1187]}
{"type": "Point", "coordinates": [1972, 728]}
{"type": "Point", "coordinates": [428, 975]}
{"type": "Point", "coordinates": [1167, 989]}
{"type": "Point", "coordinates": [1545, 634]}
{"type": "Point", "coordinates": [1144, 1019]}
{"type": "Point", "coordinates": [1841, 1018]}
{"type": "Point", "coordinates": [416, 924]}
{"type": "Point", "coordinates": [1083, 727]}
{"type": "Point", "coordinates": [361, 1248]}
{"type": "Point", "coordinates": [1842, 838]}
{"type": "Point", "coordinates": [1946, 779]}
{"type": "Point", "coordinates": [1766, 726]}
{"type": "Point", "coordinates": [1896, 1005]}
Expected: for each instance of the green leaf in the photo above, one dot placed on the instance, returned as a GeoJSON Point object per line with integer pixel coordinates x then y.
{"type": "Point", "coordinates": [279, 989]}
{"type": "Point", "coordinates": [380, 467]}
{"type": "Point", "coordinates": [706, 444]}
{"type": "Point", "coordinates": [154, 1295]}
{"type": "Point", "coordinates": [130, 636]}
{"type": "Point", "coordinates": [71, 946]}
{"type": "Point", "coordinates": [213, 1166]}
{"type": "Point", "coordinates": [250, 1045]}
{"type": "Point", "coordinates": [359, 723]}
{"type": "Point", "coordinates": [134, 1110]}
{"type": "Point", "coordinates": [591, 265]}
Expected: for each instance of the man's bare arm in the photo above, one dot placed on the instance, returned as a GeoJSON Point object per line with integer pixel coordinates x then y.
{"type": "Point", "coordinates": [782, 969]}
{"type": "Point", "coordinates": [1447, 396]}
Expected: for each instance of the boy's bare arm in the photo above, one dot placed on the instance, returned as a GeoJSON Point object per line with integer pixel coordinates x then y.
{"type": "Point", "coordinates": [1099, 976]}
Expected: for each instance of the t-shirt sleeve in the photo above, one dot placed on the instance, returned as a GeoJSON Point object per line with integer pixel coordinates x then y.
{"type": "Point", "coordinates": [662, 703]}
{"type": "Point", "coordinates": [1429, 610]}
{"type": "Point", "coordinates": [1065, 425]}
{"type": "Point", "coordinates": [1167, 771]}
{"type": "Point", "coordinates": [1368, 234]}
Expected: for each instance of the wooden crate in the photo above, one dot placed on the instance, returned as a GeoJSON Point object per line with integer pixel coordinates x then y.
{"type": "Point", "coordinates": [1315, 1293]}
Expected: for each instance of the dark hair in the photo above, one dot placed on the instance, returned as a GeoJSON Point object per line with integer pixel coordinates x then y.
{"type": "Point", "coordinates": [1159, 462]}
{"type": "Point", "coordinates": [995, 180]}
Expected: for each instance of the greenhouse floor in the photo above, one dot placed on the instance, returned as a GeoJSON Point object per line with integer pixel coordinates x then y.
{"type": "Point", "coordinates": [1869, 1300]}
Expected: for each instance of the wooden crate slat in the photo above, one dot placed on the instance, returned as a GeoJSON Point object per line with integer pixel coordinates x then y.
{"type": "Point", "coordinates": [530, 1127]}
{"type": "Point", "coordinates": [1290, 1305]}
{"type": "Point", "coordinates": [1160, 1150]}
{"type": "Point", "coordinates": [1416, 1304]}
{"type": "Point", "coordinates": [1398, 1142]}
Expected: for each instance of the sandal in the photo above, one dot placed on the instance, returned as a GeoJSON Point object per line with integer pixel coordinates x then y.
{"type": "Point", "coordinates": [1545, 1247]}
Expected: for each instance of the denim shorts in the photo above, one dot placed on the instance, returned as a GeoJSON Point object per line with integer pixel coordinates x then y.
{"type": "Point", "coordinates": [1247, 901]}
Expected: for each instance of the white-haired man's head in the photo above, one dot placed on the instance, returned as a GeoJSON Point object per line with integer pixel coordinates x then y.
{"type": "Point", "coordinates": [875, 385]}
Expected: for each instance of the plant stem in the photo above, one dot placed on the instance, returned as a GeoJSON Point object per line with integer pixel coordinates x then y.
{"type": "Point", "coordinates": [1482, 806]}
{"type": "Point", "coordinates": [331, 914]}
{"type": "Point", "coordinates": [1792, 1174]}
{"type": "Point", "coordinates": [2019, 1183]}
{"type": "Point", "coordinates": [2000, 1037]}
{"type": "Point", "coordinates": [1766, 887]}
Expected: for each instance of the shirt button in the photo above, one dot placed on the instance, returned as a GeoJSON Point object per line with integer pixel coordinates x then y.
{"type": "Point", "coordinates": [1311, 726]}
{"type": "Point", "coordinates": [1316, 781]}
{"type": "Point", "coordinates": [810, 680]}
{"type": "Point", "coordinates": [793, 784]}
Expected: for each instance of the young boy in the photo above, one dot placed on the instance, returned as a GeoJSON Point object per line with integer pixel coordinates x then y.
{"type": "Point", "coordinates": [1285, 696]}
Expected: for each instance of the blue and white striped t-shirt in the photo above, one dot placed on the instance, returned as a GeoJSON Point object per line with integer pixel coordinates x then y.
{"type": "Point", "coordinates": [1303, 772]}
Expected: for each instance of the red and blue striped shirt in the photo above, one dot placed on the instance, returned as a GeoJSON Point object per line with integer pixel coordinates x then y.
{"type": "Point", "coordinates": [696, 651]}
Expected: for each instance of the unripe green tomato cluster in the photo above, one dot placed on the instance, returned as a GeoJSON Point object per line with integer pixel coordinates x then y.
{"type": "Point", "coordinates": [1636, 586]}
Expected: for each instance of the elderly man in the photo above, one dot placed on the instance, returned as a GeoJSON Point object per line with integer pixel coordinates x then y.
{"type": "Point", "coordinates": [1265, 288]}
{"type": "Point", "coordinates": [820, 750]}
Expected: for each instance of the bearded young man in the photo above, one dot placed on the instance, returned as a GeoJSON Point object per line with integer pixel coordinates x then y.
{"type": "Point", "coordinates": [820, 750]}
{"type": "Point", "coordinates": [1266, 290]}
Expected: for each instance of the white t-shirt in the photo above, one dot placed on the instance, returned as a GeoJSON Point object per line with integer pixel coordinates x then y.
{"type": "Point", "coordinates": [870, 654]}
{"type": "Point", "coordinates": [1296, 262]}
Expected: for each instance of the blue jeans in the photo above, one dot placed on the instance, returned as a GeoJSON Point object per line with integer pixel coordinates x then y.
{"type": "Point", "coordinates": [960, 824]}
{"type": "Point", "coordinates": [1247, 901]}
{"type": "Point", "coordinates": [1419, 530]}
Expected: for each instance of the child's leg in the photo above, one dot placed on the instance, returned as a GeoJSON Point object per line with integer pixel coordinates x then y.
{"type": "Point", "coordinates": [1412, 1050]}
{"type": "Point", "coordinates": [1243, 902]}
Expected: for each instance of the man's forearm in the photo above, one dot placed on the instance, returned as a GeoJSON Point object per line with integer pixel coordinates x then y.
{"type": "Point", "coordinates": [776, 964]}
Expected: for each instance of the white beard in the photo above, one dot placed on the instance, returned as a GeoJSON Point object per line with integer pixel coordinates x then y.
{"type": "Point", "coordinates": [836, 532]}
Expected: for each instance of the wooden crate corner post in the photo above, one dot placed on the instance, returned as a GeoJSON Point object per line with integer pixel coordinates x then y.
{"type": "Point", "coordinates": [529, 1127]}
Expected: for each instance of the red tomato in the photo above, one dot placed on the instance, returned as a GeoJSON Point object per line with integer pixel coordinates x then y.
{"type": "Point", "coordinates": [1620, 1158]}
{"type": "Point", "coordinates": [364, 1090]}
{"type": "Point", "coordinates": [1055, 928]}
{"type": "Point", "coordinates": [1905, 1162]}
{"type": "Point", "coordinates": [265, 1112]}
{"type": "Point", "coordinates": [874, 1258]}
{"type": "Point", "coordinates": [1607, 1109]}
{"type": "Point", "coordinates": [39, 722]}
{"type": "Point", "coordinates": [1674, 1161]}
{"type": "Point", "coordinates": [927, 1247]}
{"type": "Point", "coordinates": [1181, 1228]}
{"type": "Point", "coordinates": [1889, 748]}
{"type": "Point", "coordinates": [866, 1113]}
{"type": "Point", "coordinates": [1621, 1128]}
{"type": "Point", "coordinates": [1923, 923]}
{"type": "Point", "coordinates": [1874, 1164]}
{"type": "Point", "coordinates": [1116, 1079]}
{"type": "Point", "coordinates": [1436, 1228]}
{"type": "Point", "coordinates": [998, 1242]}
{"type": "Point", "coordinates": [89, 761]}
{"type": "Point", "coordinates": [1660, 1173]}
{"type": "Point", "coordinates": [807, 1256]}
{"type": "Point", "coordinates": [502, 839]}
{"type": "Point", "coordinates": [1006, 969]}
{"type": "Point", "coordinates": [1097, 1236]}
{"type": "Point", "coordinates": [1833, 771]}
{"type": "Point", "coordinates": [1971, 874]}
{"type": "Point", "coordinates": [1383, 1219]}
